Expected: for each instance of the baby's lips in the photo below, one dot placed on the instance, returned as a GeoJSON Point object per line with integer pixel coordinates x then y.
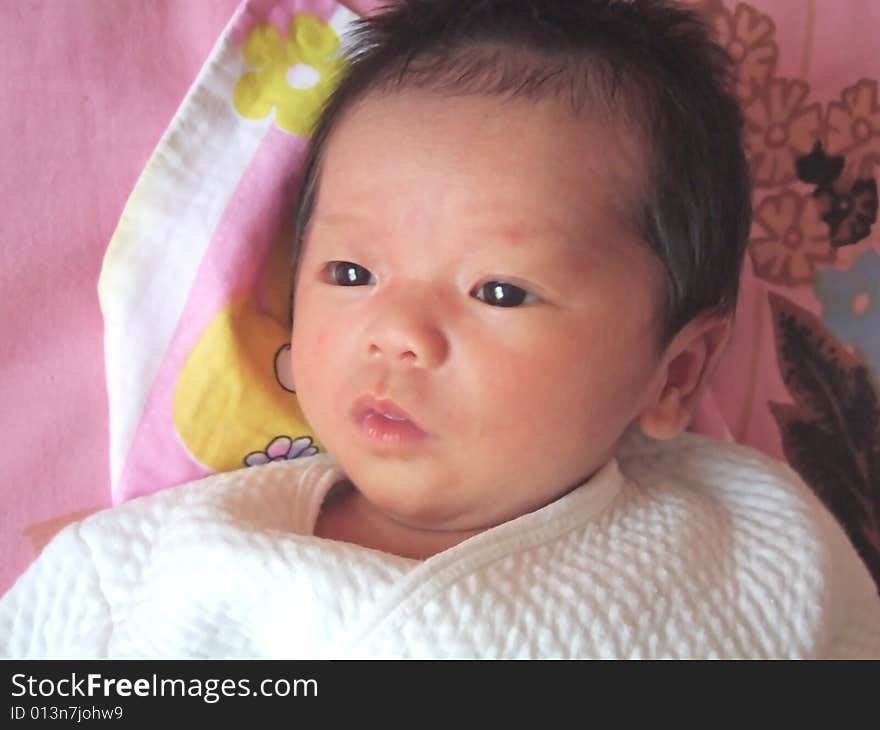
{"type": "Point", "coordinates": [367, 404]}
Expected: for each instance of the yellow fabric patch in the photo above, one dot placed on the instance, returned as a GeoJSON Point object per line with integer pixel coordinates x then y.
{"type": "Point", "coordinates": [228, 401]}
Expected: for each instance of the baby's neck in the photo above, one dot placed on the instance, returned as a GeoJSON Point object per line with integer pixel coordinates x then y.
{"type": "Point", "coordinates": [348, 517]}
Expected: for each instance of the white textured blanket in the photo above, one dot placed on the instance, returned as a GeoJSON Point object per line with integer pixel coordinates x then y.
{"type": "Point", "coordinates": [690, 548]}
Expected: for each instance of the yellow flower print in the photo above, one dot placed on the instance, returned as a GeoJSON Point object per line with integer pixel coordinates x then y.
{"type": "Point", "coordinates": [293, 77]}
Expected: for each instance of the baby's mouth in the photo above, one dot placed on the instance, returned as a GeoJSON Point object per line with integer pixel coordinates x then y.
{"type": "Point", "coordinates": [383, 421]}
{"type": "Point", "coordinates": [383, 407]}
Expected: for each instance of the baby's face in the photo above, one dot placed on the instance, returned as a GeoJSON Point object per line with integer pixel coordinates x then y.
{"type": "Point", "coordinates": [433, 213]}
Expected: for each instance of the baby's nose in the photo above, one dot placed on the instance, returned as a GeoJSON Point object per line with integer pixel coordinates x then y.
{"type": "Point", "coordinates": [409, 330]}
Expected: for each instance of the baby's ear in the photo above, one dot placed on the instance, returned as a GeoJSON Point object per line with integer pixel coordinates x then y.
{"type": "Point", "coordinates": [684, 371]}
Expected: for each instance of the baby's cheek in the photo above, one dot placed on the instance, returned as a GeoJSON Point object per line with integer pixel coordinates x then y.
{"type": "Point", "coordinates": [305, 357]}
{"type": "Point", "coordinates": [312, 331]}
{"type": "Point", "coordinates": [551, 402]}
{"type": "Point", "coordinates": [517, 411]}
{"type": "Point", "coordinates": [321, 340]}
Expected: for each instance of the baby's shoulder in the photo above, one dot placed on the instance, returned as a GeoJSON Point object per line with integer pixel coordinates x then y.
{"type": "Point", "coordinates": [735, 477]}
{"type": "Point", "coordinates": [750, 541]}
{"type": "Point", "coordinates": [753, 509]}
{"type": "Point", "coordinates": [275, 495]}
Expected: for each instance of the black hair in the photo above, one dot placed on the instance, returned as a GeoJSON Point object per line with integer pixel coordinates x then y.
{"type": "Point", "coordinates": [649, 66]}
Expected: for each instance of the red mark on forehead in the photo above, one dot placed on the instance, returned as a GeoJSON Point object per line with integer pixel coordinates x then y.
{"type": "Point", "coordinates": [515, 235]}
{"type": "Point", "coordinates": [528, 232]}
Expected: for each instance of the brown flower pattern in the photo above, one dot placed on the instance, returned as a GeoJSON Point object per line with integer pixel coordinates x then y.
{"type": "Point", "coordinates": [852, 128]}
{"type": "Point", "coordinates": [780, 127]}
{"type": "Point", "coordinates": [789, 239]}
{"type": "Point", "coordinates": [747, 35]}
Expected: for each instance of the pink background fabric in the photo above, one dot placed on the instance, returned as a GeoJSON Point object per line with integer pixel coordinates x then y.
{"type": "Point", "coordinates": [88, 87]}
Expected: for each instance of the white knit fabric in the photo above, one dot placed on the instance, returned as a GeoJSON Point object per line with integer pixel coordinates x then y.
{"type": "Point", "coordinates": [685, 548]}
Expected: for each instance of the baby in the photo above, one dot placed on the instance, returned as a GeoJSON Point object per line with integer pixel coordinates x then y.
{"type": "Point", "coordinates": [518, 249]}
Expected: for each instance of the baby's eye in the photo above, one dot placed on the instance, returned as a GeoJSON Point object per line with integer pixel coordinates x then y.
{"type": "Point", "coordinates": [502, 294]}
{"type": "Point", "coordinates": [346, 273]}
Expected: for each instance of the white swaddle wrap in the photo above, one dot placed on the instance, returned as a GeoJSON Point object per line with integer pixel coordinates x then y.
{"type": "Point", "coordinates": [687, 548]}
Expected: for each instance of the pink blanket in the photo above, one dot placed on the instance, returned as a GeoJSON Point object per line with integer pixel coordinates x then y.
{"type": "Point", "coordinates": [87, 88]}
{"type": "Point", "coordinates": [192, 287]}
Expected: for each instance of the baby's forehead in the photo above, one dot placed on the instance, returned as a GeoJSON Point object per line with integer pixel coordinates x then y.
{"type": "Point", "coordinates": [501, 145]}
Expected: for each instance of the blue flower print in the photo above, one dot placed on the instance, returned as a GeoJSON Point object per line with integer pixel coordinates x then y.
{"type": "Point", "coordinates": [851, 305]}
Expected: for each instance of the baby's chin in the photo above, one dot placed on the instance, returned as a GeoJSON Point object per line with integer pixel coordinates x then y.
{"type": "Point", "coordinates": [421, 500]}
{"type": "Point", "coordinates": [420, 506]}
